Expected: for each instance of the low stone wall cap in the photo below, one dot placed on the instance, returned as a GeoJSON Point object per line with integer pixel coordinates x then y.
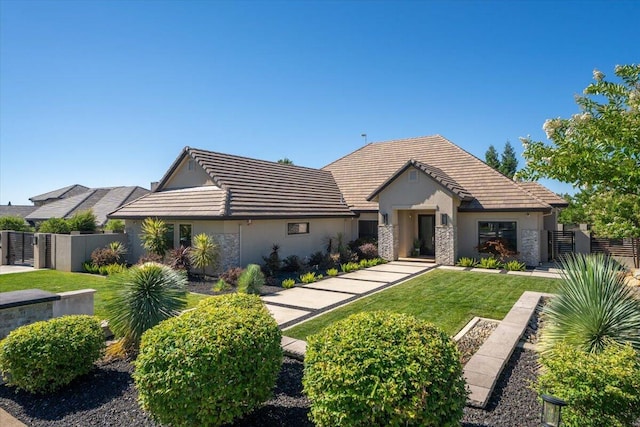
{"type": "Point", "coordinates": [26, 297]}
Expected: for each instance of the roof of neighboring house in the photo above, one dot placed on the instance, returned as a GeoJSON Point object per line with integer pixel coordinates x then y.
{"type": "Point", "coordinates": [16, 210]}
{"type": "Point", "coordinates": [436, 174]}
{"type": "Point", "coordinates": [244, 188]}
{"type": "Point", "coordinates": [544, 193]}
{"type": "Point", "coordinates": [361, 172]}
{"type": "Point", "coordinates": [100, 200]}
{"type": "Point", "coordinates": [59, 193]}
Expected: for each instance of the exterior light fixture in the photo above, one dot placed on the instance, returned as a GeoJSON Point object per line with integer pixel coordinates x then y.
{"type": "Point", "coordinates": [444, 219]}
{"type": "Point", "coordinates": [551, 411]}
{"type": "Point", "coordinates": [385, 219]}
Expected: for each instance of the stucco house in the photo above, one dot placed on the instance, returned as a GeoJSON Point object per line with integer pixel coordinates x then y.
{"type": "Point", "coordinates": [423, 189]}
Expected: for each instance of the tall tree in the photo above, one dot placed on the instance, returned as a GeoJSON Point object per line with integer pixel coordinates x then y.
{"type": "Point", "coordinates": [598, 150]}
{"type": "Point", "coordinates": [508, 161]}
{"type": "Point", "coordinates": [491, 157]}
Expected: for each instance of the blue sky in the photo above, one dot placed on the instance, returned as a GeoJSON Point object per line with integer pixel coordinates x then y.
{"type": "Point", "coordinates": [106, 93]}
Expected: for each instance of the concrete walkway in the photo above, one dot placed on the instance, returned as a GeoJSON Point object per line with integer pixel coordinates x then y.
{"type": "Point", "coordinates": [291, 306]}
{"type": "Point", "coordinates": [7, 269]}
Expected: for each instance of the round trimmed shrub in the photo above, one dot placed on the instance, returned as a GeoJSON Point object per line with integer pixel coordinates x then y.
{"type": "Point", "coordinates": [383, 368]}
{"type": "Point", "coordinates": [45, 356]}
{"type": "Point", "coordinates": [210, 365]}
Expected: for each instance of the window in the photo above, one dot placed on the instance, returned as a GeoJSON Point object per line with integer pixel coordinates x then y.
{"type": "Point", "coordinates": [192, 165]}
{"type": "Point", "coordinates": [185, 235]}
{"type": "Point", "coordinates": [367, 229]}
{"type": "Point", "coordinates": [168, 236]}
{"type": "Point", "coordinates": [493, 230]}
{"type": "Point", "coordinates": [298, 228]}
{"type": "Point", "coordinates": [413, 176]}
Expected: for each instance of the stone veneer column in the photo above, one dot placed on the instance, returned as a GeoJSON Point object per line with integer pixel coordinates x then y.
{"type": "Point", "coordinates": [388, 242]}
{"type": "Point", "coordinates": [530, 247]}
{"type": "Point", "coordinates": [229, 247]}
{"type": "Point", "coordinates": [446, 245]}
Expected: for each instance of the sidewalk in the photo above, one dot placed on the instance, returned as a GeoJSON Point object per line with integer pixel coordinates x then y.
{"type": "Point", "coordinates": [7, 269]}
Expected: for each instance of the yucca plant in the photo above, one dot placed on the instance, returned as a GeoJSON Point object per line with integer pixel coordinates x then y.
{"type": "Point", "coordinates": [204, 252]}
{"type": "Point", "coordinates": [251, 280]}
{"type": "Point", "coordinates": [149, 293]}
{"type": "Point", "coordinates": [153, 236]}
{"type": "Point", "coordinates": [593, 306]}
{"type": "Point", "coordinates": [118, 248]}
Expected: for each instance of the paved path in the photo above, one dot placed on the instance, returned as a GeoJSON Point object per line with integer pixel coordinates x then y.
{"type": "Point", "coordinates": [291, 306]}
{"type": "Point", "coordinates": [6, 269]}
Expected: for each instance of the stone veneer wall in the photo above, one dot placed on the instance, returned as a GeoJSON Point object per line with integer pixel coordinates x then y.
{"type": "Point", "coordinates": [388, 242]}
{"type": "Point", "coordinates": [530, 247]}
{"type": "Point", "coordinates": [446, 244]}
{"type": "Point", "coordinates": [14, 317]}
{"type": "Point", "coordinates": [229, 246]}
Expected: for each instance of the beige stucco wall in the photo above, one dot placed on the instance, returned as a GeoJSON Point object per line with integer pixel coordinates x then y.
{"type": "Point", "coordinates": [69, 251]}
{"type": "Point", "coordinates": [256, 236]}
{"type": "Point", "coordinates": [184, 178]}
{"type": "Point", "coordinates": [468, 227]}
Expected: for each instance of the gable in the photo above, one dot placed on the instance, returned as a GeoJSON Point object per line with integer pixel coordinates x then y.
{"type": "Point", "coordinates": [188, 173]}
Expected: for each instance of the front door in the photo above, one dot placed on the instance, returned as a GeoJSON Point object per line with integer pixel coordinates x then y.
{"type": "Point", "coordinates": [426, 234]}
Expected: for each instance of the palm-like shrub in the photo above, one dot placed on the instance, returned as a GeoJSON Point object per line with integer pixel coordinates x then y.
{"type": "Point", "coordinates": [153, 236]}
{"type": "Point", "coordinates": [204, 252]}
{"type": "Point", "coordinates": [149, 293]}
{"type": "Point", "coordinates": [593, 306]}
{"type": "Point", "coordinates": [251, 280]}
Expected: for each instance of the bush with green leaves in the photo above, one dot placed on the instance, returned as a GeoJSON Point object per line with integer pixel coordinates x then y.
{"type": "Point", "coordinates": [490, 262]}
{"type": "Point", "coordinates": [515, 265]}
{"type": "Point", "coordinates": [210, 365]}
{"type": "Point", "coordinates": [115, 225]}
{"type": "Point", "coordinates": [332, 272]}
{"type": "Point", "coordinates": [251, 280]}
{"type": "Point", "coordinates": [592, 306]}
{"type": "Point", "coordinates": [154, 236]}
{"type": "Point", "coordinates": [83, 222]}
{"type": "Point", "coordinates": [148, 294]}
{"type": "Point", "coordinates": [349, 267]}
{"type": "Point", "coordinates": [310, 277]}
{"type": "Point", "coordinates": [221, 286]}
{"type": "Point", "coordinates": [288, 283]}
{"type": "Point", "coordinates": [13, 223]}
{"type": "Point", "coordinates": [292, 264]}
{"type": "Point", "coordinates": [55, 226]}
{"type": "Point", "coordinates": [383, 368]}
{"type": "Point", "coordinates": [45, 356]}
{"type": "Point", "coordinates": [467, 262]}
{"type": "Point", "coordinates": [104, 256]}
{"type": "Point", "coordinates": [204, 252]}
{"type": "Point", "coordinates": [90, 267]}
{"type": "Point", "coordinates": [272, 263]}
{"type": "Point", "coordinates": [601, 389]}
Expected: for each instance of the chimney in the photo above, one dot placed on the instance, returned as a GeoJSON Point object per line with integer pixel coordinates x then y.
{"type": "Point", "coordinates": [154, 185]}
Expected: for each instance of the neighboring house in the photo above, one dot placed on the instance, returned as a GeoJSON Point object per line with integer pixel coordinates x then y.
{"type": "Point", "coordinates": [59, 194]}
{"type": "Point", "coordinates": [16, 210]}
{"type": "Point", "coordinates": [425, 189]}
{"type": "Point", "coordinates": [66, 202]}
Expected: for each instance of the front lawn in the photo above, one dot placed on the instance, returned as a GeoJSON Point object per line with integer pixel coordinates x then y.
{"type": "Point", "coordinates": [446, 298]}
{"type": "Point", "coordinates": [58, 281]}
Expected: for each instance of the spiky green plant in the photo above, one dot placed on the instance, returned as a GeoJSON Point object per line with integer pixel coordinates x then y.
{"type": "Point", "coordinates": [467, 262]}
{"type": "Point", "coordinates": [150, 293]}
{"type": "Point", "coordinates": [251, 280]}
{"type": "Point", "coordinates": [593, 306]}
{"type": "Point", "coordinates": [153, 236]}
{"type": "Point", "coordinates": [490, 262]}
{"type": "Point", "coordinates": [204, 252]}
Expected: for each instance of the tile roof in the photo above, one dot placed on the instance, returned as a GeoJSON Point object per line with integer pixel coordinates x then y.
{"type": "Point", "coordinates": [100, 200]}
{"type": "Point", "coordinates": [250, 188]}
{"type": "Point", "coordinates": [436, 174]}
{"type": "Point", "coordinates": [196, 202]}
{"type": "Point", "coordinates": [543, 193]}
{"type": "Point", "coordinates": [16, 210]}
{"type": "Point", "coordinates": [59, 193]}
{"type": "Point", "coordinates": [361, 172]}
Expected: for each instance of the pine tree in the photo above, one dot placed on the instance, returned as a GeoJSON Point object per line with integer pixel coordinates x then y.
{"type": "Point", "coordinates": [509, 161]}
{"type": "Point", "coordinates": [491, 158]}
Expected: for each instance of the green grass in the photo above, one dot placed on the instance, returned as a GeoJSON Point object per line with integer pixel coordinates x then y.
{"type": "Point", "coordinates": [58, 281]}
{"type": "Point", "coordinates": [449, 299]}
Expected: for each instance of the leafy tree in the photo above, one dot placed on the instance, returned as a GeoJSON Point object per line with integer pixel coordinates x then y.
{"type": "Point", "coordinates": [13, 223]}
{"type": "Point", "coordinates": [285, 161]}
{"type": "Point", "coordinates": [204, 252]}
{"type": "Point", "coordinates": [491, 157]}
{"type": "Point", "coordinates": [508, 161]}
{"type": "Point", "coordinates": [576, 213]}
{"type": "Point", "coordinates": [598, 150]}
{"type": "Point", "coordinates": [55, 226]}
{"type": "Point", "coordinates": [115, 225]}
{"type": "Point", "coordinates": [154, 237]}
{"type": "Point", "coordinates": [83, 221]}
